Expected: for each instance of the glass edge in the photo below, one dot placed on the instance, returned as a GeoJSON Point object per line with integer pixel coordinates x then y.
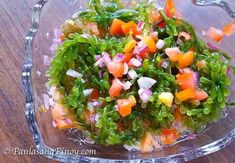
{"type": "Point", "coordinates": [51, 153]}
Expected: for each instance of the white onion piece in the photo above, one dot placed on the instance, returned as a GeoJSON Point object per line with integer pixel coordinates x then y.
{"type": "Point", "coordinates": [127, 85]}
{"type": "Point", "coordinates": [145, 82]}
{"type": "Point", "coordinates": [171, 51]}
{"type": "Point", "coordinates": [87, 92]}
{"type": "Point", "coordinates": [144, 94]}
{"type": "Point", "coordinates": [52, 90]}
{"type": "Point", "coordinates": [97, 116]}
{"type": "Point", "coordinates": [89, 141]}
{"type": "Point", "coordinates": [51, 102]}
{"type": "Point", "coordinates": [46, 101]}
{"type": "Point", "coordinates": [106, 58]}
{"type": "Point", "coordinates": [73, 73]}
{"type": "Point", "coordinates": [203, 33]}
{"type": "Point", "coordinates": [119, 57]}
{"type": "Point", "coordinates": [126, 68]}
{"type": "Point", "coordinates": [132, 74]}
{"type": "Point", "coordinates": [135, 62]}
{"type": "Point", "coordinates": [160, 44]}
{"type": "Point", "coordinates": [100, 62]}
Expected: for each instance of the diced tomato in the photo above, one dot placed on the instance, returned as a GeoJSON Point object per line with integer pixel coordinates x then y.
{"type": "Point", "coordinates": [128, 57]}
{"type": "Point", "coordinates": [115, 89]}
{"type": "Point", "coordinates": [229, 29]}
{"type": "Point", "coordinates": [148, 143]}
{"type": "Point", "coordinates": [173, 53]}
{"type": "Point", "coordinates": [150, 43]}
{"type": "Point", "coordinates": [200, 64]}
{"type": "Point", "coordinates": [186, 59]}
{"type": "Point", "coordinates": [155, 17]}
{"type": "Point", "coordinates": [59, 111]}
{"type": "Point", "coordinates": [94, 94]}
{"type": "Point", "coordinates": [169, 8]}
{"type": "Point", "coordinates": [116, 27]}
{"type": "Point", "coordinates": [62, 37]}
{"type": "Point", "coordinates": [200, 95]}
{"type": "Point", "coordinates": [169, 136]}
{"type": "Point", "coordinates": [177, 114]}
{"type": "Point", "coordinates": [162, 24]}
{"type": "Point", "coordinates": [64, 123]}
{"type": "Point", "coordinates": [186, 94]}
{"type": "Point", "coordinates": [124, 107]}
{"type": "Point", "coordinates": [186, 35]}
{"type": "Point", "coordinates": [116, 68]}
{"type": "Point", "coordinates": [130, 46]}
{"type": "Point", "coordinates": [130, 28]}
{"type": "Point", "coordinates": [215, 34]}
{"type": "Point", "coordinates": [186, 81]}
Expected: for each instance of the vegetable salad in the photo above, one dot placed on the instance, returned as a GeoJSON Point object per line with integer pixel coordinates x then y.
{"type": "Point", "coordinates": [135, 76]}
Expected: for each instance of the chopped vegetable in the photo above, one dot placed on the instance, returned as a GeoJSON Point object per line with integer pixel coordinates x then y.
{"type": "Point", "coordinates": [169, 136]}
{"type": "Point", "coordinates": [116, 68]}
{"type": "Point", "coordinates": [135, 76]}
{"type": "Point", "coordinates": [215, 34]}
{"type": "Point", "coordinates": [166, 98]}
{"type": "Point", "coordinates": [185, 94]}
{"type": "Point", "coordinates": [186, 59]}
{"type": "Point", "coordinates": [116, 88]}
{"type": "Point", "coordinates": [116, 27]}
{"type": "Point", "coordinates": [229, 29]}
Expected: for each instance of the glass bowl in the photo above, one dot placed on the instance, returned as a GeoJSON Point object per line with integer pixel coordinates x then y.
{"type": "Point", "coordinates": [68, 146]}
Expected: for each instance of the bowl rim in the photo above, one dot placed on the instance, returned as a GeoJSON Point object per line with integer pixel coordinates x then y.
{"type": "Point", "coordinates": [58, 156]}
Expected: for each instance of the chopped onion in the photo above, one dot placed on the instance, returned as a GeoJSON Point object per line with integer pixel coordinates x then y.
{"type": "Point", "coordinates": [135, 62]}
{"type": "Point", "coordinates": [106, 58]}
{"type": "Point", "coordinates": [46, 60]}
{"type": "Point", "coordinates": [203, 33]}
{"type": "Point", "coordinates": [92, 118]}
{"type": "Point", "coordinates": [119, 57]}
{"type": "Point", "coordinates": [145, 82]}
{"type": "Point", "coordinates": [52, 90]}
{"type": "Point", "coordinates": [196, 77]}
{"type": "Point", "coordinates": [132, 74]}
{"type": "Point", "coordinates": [126, 68]}
{"type": "Point", "coordinates": [140, 25]}
{"type": "Point", "coordinates": [160, 44]}
{"type": "Point", "coordinates": [144, 94]}
{"type": "Point", "coordinates": [73, 73]}
{"type": "Point", "coordinates": [96, 103]}
{"type": "Point", "coordinates": [100, 62]}
{"type": "Point", "coordinates": [143, 49]}
{"type": "Point", "coordinates": [51, 102]}
{"type": "Point", "coordinates": [213, 47]}
{"type": "Point", "coordinates": [164, 64]}
{"type": "Point", "coordinates": [127, 85]}
{"type": "Point", "coordinates": [97, 116]}
{"type": "Point", "coordinates": [46, 101]}
{"type": "Point", "coordinates": [87, 92]}
{"type": "Point", "coordinates": [57, 33]}
{"type": "Point", "coordinates": [68, 121]}
{"type": "Point", "coordinates": [97, 57]}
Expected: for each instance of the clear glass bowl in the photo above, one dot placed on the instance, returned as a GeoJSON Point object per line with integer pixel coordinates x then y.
{"type": "Point", "coordinates": [53, 143]}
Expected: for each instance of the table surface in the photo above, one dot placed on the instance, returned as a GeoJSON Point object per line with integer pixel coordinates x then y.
{"type": "Point", "coordinates": [14, 133]}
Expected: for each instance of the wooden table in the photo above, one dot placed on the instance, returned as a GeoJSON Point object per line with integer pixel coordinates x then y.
{"type": "Point", "coordinates": [14, 23]}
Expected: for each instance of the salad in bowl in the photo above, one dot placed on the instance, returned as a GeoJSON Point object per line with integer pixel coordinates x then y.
{"type": "Point", "coordinates": [139, 77]}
